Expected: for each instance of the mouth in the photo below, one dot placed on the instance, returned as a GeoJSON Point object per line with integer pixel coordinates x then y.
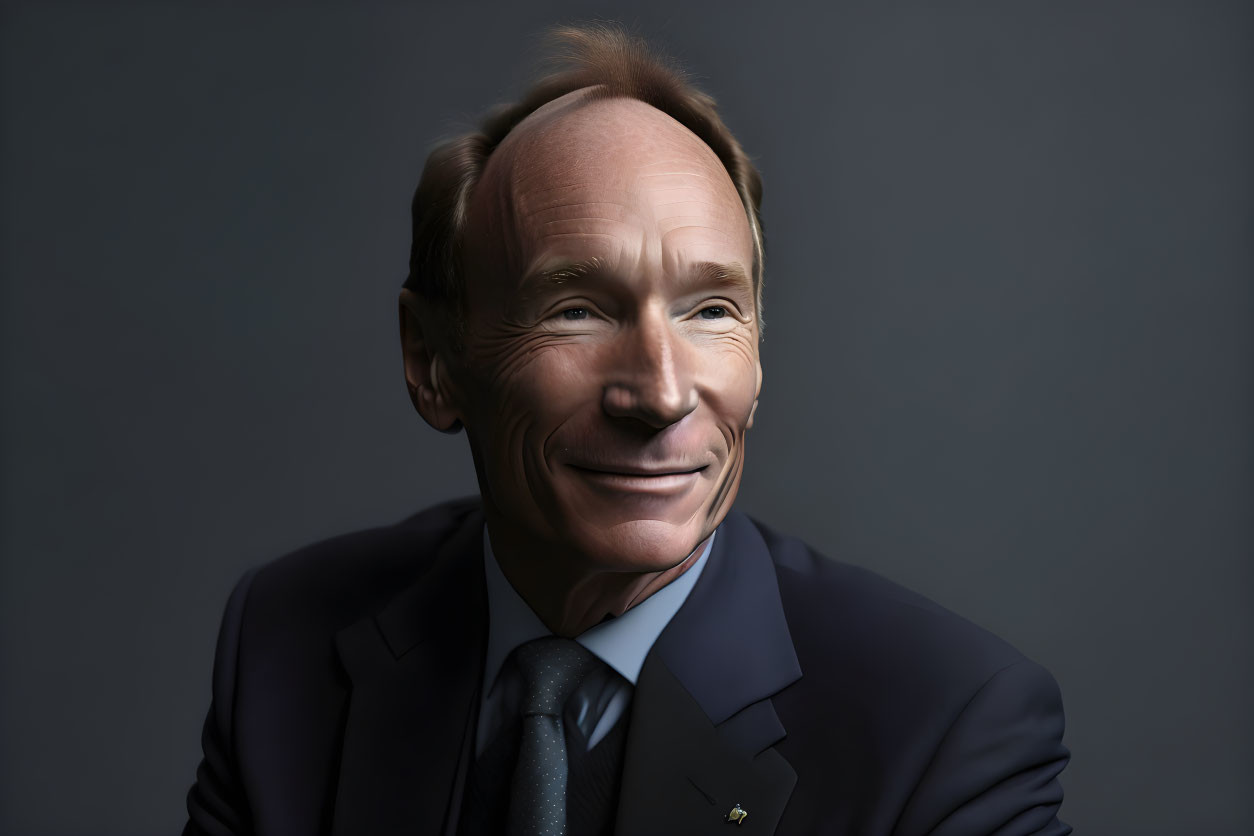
{"type": "Point", "coordinates": [626, 478]}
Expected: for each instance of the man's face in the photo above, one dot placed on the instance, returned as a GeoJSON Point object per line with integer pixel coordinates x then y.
{"type": "Point", "coordinates": [610, 365]}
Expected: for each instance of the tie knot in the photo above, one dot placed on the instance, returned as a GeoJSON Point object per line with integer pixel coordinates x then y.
{"type": "Point", "coordinates": [551, 668]}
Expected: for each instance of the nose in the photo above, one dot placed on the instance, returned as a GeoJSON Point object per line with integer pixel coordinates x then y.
{"type": "Point", "coordinates": [652, 379]}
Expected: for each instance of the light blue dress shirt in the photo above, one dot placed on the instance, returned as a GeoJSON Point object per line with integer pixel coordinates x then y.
{"type": "Point", "coordinates": [622, 643]}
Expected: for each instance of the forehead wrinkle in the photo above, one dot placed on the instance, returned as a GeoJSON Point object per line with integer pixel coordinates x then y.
{"type": "Point", "coordinates": [679, 203]}
{"type": "Point", "coordinates": [697, 174]}
{"type": "Point", "coordinates": [717, 179]}
{"type": "Point", "coordinates": [686, 198]}
{"type": "Point", "coordinates": [576, 211]}
{"type": "Point", "coordinates": [581, 235]}
{"type": "Point", "coordinates": [681, 227]}
{"type": "Point", "coordinates": [675, 222]}
{"type": "Point", "coordinates": [674, 258]}
{"type": "Point", "coordinates": [688, 188]}
{"type": "Point", "coordinates": [697, 200]}
{"type": "Point", "coordinates": [535, 203]}
{"type": "Point", "coordinates": [558, 188]}
{"type": "Point", "coordinates": [693, 195]}
{"type": "Point", "coordinates": [673, 183]}
{"type": "Point", "coordinates": [683, 168]}
{"type": "Point", "coordinates": [575, 220]}
{"type": "Point", "coordinates": [697, 220]}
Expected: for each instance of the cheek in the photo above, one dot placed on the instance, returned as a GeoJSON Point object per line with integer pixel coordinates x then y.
{"type": "Point", "coordinates": [555, 380]}
{"type": "Point", "coordinates": [731, 376]}
{"type": "Point", "coordinates": [523, 402]}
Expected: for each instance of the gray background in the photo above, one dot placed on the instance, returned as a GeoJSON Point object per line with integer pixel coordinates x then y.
{"type": "Point", "coordinates": [1008, 354]}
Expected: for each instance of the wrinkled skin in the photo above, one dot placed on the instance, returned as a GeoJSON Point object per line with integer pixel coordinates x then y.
{"type": "Point", "coordinates": [609, 367]}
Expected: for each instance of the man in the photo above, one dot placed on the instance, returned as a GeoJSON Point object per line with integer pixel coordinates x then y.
{"type": "Point", "coordinates": [598, 643]}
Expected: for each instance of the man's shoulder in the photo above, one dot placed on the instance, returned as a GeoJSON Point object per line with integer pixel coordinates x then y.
{"type": "Point", "coordinates": [922, 716]}
{"type": "Point", "coordinates": [848, 620]}
{"type": "Point", "coordinates": [340, 579]}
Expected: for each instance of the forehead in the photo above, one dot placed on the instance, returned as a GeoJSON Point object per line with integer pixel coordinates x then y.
{"type": "Point", "coordinates": [589, 163]}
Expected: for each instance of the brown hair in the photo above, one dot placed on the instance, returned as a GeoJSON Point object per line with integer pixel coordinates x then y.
{"type": "Point", "coordinates": [616, 64]}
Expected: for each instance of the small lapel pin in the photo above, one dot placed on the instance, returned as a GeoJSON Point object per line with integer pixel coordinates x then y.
{"type": "Point", "coordinates": [738, 814]}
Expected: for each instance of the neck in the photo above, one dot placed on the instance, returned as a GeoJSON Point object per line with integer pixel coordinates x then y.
{"type": "Point", "coordinates": [571, 593]}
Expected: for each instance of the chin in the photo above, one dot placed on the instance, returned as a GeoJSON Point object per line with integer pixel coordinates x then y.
{"type": "Point", "coordinates": [639, 545]}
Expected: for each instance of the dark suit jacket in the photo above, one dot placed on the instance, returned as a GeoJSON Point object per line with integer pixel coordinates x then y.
{"type": "Point", "coordinates": [818, 696]}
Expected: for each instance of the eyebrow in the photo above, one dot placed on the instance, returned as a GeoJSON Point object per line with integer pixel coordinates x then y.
{"type": "Point", "coordinates": [563, 273]}
{"type": "Point", "coordinates": [731, 276]}
{"type": "Point", "coordinates": [703, 274]}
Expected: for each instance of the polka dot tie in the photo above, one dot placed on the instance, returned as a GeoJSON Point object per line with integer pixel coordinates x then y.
{"type": "Point", "coordinates": [552, 669]}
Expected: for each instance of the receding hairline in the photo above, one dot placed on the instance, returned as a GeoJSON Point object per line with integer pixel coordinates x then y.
{"type": "Point", "coordinates": [570, 105]}
{"type": "Point", "coordinates": [527, 142]}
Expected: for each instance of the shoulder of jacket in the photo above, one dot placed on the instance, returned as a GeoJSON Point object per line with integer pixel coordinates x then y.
{"type": "Point", "coordinates": [841, 611]}
{"type": "Point", "coordinates": [341, 578]}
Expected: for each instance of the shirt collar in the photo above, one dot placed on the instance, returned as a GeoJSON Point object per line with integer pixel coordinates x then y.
{"type": "Point", "coordinates": [622, 642]}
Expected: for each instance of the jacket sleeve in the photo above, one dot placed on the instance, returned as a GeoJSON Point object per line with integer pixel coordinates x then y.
{"type": "Point", "coordinates": [995, 772]}
{"type": "Point", "coordinates": [216, 803]}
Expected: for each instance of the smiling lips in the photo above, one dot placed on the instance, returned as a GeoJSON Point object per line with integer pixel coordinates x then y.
{"type": "Point", "coordinates": [635, 479]}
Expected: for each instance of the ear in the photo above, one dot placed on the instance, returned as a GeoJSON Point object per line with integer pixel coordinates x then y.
{"type": "Point", "coordinates": [426, 374]}
{"type": "Point", "coordinates": [756, 392]}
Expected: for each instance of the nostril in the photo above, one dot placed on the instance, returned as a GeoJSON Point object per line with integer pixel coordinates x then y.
{"type": "Point", "coordinates": [619, 400]}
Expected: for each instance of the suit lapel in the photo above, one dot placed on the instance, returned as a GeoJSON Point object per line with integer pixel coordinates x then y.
{"type": "Point", "coordinates": [415, 670]}
{"type": "Point", "coordinates": [702, 722]}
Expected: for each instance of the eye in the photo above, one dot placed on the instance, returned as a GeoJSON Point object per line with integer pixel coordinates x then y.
{"type": "Point", "coordinates": [713, 312]}
{"type": "Point", "coordinates": [573, 314]}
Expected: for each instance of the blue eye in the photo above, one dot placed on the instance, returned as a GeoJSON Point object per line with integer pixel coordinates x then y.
{"type": "Point", "coordinates": [713, 312]}
{"type": "Point", "coordinates": [575, 313]}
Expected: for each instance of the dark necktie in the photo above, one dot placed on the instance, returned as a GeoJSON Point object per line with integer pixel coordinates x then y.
{"type": "Point", "coordinates": [551, 669]}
